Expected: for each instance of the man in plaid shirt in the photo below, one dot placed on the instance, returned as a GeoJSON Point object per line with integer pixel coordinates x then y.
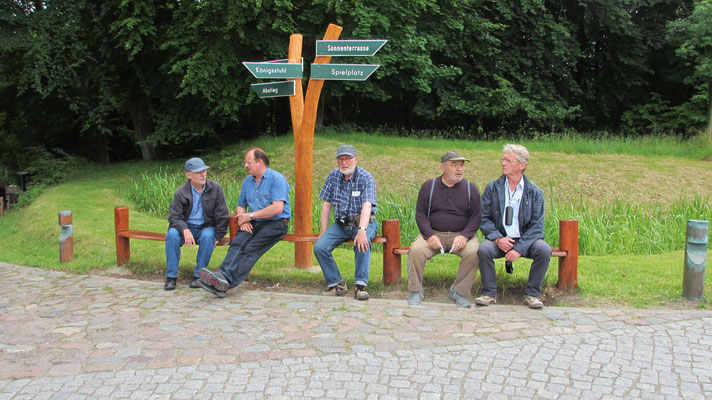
{"type": "Point", "coordinates": [351, 192]}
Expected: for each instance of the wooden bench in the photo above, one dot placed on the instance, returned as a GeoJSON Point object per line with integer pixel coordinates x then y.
{"type": "Point", "coordinates": [391, 239]}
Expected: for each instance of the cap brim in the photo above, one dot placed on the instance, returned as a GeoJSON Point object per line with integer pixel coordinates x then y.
{"type": "Point", "coordinates": [199, 169]}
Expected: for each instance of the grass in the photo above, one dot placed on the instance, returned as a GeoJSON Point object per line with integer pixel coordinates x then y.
{"type": "Point", "coordinates": [618, 198]}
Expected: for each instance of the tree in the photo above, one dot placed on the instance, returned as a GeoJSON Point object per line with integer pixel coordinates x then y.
{"type": "Point", "coordinates": [695, 35]}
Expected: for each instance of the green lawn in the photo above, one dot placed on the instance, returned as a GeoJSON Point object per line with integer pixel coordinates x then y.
{"type": "Point", "coordinates": [30, 235]}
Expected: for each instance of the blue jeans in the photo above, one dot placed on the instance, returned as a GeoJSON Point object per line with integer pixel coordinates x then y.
{"type": "Point", "coordinates": [246, 248]}
{"type": "Point", "coordinates": [204, 238]}
{"type": "Point", "coordinates": [539, 252]}
{"type": "Point", "coordinates": [331, 239]}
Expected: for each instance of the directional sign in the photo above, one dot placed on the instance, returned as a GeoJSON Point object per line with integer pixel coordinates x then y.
{"type": "Point", "coordinates": [274, 69]}
{"type": "Point", "coordinates": [274, 89]}
{"type": "Point", "coordinates": [342, 72]}
{"type": "Point", "coordinates": [337, 48]}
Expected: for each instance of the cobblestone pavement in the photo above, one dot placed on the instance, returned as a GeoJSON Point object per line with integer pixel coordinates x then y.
{"type": "Point", "coordinates": [81, 336]}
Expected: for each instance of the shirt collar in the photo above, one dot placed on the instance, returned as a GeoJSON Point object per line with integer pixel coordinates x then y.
{"type": "Point", "coordinates": [520, 185]}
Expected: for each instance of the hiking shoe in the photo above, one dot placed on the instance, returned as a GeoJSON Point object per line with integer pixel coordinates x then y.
{"type": "Point", "coordinates": [215, 279]}
{"type": "Point", "coordinates": [194, 283]}
{"type": "Point", "coordinates": [485, 300]}
{"type": "Point", "coordinates": [170, 284]}
{"type": "Point", "coordinates": [360, 293]}
{"type": "Point", "coordinates": [415, 298]}
{"type": "Point", "coordinates": [533, 302]}
{"type": "Point", "coordinates": [461, 301]}
{"type": "Point", "coordinates": [339, 289]}
{"type": "Point", "coordinates": [211, 289]}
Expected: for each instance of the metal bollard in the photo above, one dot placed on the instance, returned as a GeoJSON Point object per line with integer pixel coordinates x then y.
{"type": "Point", "coordinates": [66, 237]}
{"type": "Point", "coordinates": [693, 278]}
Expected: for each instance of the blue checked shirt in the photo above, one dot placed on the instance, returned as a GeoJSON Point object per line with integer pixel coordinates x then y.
{"type": "Point", "coordinates": [347, 196]}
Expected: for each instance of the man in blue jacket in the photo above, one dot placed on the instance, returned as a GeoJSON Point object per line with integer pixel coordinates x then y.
{"type": "Point", "coordinates": [513, 227]}
{"type": "Point", "coordinates": [197, 215]}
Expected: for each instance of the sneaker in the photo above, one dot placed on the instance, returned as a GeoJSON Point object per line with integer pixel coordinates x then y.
{"type": "Point", "coordinates": [211, 289]}
{"type": "Point", "coordinates": [461, 301]}
{"type": "Point", "coordinates": [485, 300]}
{"type": "Point", "coordinates": [194, 283]}
{"type": "Point", "coordinates": [360, 293]}
{"type": "Point", "coordinates": [533, 302]}
{"type": "Point", "coordinates": [215, 279]}
{"type": "Point", "coordinates": [339, 290]}
{"type": "Point", "coordinates": [415, 298]}
{"type": "Point", "coordinates": [170, 284]}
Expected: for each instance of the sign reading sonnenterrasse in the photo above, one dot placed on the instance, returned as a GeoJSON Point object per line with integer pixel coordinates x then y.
{"type": "Point", "coordinates": [337, 48]}
{"type": "Point", "coordinates": [342, 72]}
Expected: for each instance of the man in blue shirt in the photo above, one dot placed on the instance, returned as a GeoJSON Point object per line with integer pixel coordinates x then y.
{"type": "Point", "coordinates": [351, 192]}
{"type": "Point", "coordinates": [197, 215]}
{"type": "Point", "coordinates": [263, 217]}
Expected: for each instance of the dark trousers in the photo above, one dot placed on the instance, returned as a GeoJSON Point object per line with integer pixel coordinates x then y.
{"type": "Point", "coordinates": [539, 252]}
{"type": "Point", "coordinates": [246, 248]}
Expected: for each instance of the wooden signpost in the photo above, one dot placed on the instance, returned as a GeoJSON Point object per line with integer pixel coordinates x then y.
{"type": "Point", "coordinates": [304, 109]}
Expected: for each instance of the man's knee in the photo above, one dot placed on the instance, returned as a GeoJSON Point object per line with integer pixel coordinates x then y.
{"type": "Point", "coordinates": [321, 248]}
{"type": "Point", "coordinates": [173, 236]}
{"type": "Point", "coordinates": [540, 249]}
{"type": "Point", "coordinates": [207, 236]}
{"type": "Point", "coordinates": [487, 249]}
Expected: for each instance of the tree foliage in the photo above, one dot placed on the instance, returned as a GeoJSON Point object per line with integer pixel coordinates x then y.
{"type": "Point", "coordinates": [113, 80]}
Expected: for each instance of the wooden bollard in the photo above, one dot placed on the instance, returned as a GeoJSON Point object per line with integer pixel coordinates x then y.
{"type": "Point", "coordinates": [568, 266]}
{"type": "Point", "coordinates": [391, 261]}
{"type": "Point", "coordinates": [123, 245]}
{"type": "Point", "coordinates": [66, 237]}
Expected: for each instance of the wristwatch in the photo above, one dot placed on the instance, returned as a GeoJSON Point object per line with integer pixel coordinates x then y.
{"type": "Point", "coordinates": [252, 215]}
{"type": "Point", "coordinates": [362, 228]}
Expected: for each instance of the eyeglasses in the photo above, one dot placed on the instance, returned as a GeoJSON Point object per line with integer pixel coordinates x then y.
{"type": "Point", "coordinates": [344, 159]}
{"type": "Point", "coordinates": [510, 160]}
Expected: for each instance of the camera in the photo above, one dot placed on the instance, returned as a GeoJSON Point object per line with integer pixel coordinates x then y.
{"type": "Point", "coordinates": [508, 215]}
{"type": "Point", "coordinates": [508, 267]}
{"type": "Point", "coordinates": [342, 220]}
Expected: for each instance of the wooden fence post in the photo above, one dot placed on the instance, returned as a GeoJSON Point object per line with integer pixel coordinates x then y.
{"type": "Point", "coordinates": [391, 261]}
{"type": "Point", "coordinates": [123, 246]}
{"type": "Point", "coordinates": [568, 266]}
{"type": "Point", "coordinates": [66, 237]}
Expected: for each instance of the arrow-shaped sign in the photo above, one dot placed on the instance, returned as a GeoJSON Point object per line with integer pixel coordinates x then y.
{"type": "Point", "coordinates": [338, 48]}
{"type": "Point", "coordinates": [275, 69]}
{"type": "Point", "coordinates": [342, 72]}
{"type": "Point", "coordinates": [274, 89]}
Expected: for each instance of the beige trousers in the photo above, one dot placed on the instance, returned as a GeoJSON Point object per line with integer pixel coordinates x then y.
{"type": "Point", "coordinates": [420, 252]}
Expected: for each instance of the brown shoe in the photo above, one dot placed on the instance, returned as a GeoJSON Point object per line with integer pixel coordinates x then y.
{"type": "Point", "coordinates": [485, 300]}
{"type": "Point", "coordinates": [339, 290]}
{"type": "Point", "coordinates": [360, 293]}
{"type": "Point", "coordinates": [533, 302]}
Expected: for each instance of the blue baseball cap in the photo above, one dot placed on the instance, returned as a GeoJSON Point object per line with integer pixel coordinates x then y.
{"type": "Point", "coordinates": [195, 165]}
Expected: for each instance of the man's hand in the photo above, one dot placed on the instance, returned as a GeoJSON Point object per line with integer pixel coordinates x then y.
{"type": "Point", "coordinates": [459, 243]}
{"type": "Point", "coordinates": [434, 242]}
{"type": "Point", "coordinates": [361, 241]}
{"type": "Point", "coordinates": [188, 238]}
{"type": "Point", "coordinates": [247, 227]}
{"type": "Point", "coordinates": [512, 255]}
{"type": "Point", "coordinates": [243, 218]}
{"type": "Point", "coordinates": [216, 243]}
{"type": "Point", "coordinates": [505, 244]}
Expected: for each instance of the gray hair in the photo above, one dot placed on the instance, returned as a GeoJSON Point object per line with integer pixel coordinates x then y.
{"type": "Point", "coordinates": [519, 151]}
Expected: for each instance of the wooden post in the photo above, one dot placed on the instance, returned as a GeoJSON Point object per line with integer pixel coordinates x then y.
{"type": "Point", "coordinates": [123, 246]}
{"type": "Point", "coordinates": [304, 156]}
{"type": "Point", "coordinates": [66, 237]}
{"type": "Point", "coordinates": [232, 225]}
{"type": "Point", "coordinates": [391, 261]}
{"type": "Point", "coordinates": [568, 266]}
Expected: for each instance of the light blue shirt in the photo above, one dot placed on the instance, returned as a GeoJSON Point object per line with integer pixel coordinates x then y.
{"type": "Point", "coordinates": [512, 199]}
{"type": "Point", "coordinates": [273, 187]}
{"type": "Point", "coordinates": [196, 213]}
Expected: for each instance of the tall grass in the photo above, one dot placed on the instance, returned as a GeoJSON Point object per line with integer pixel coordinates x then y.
{"type": "Point", "coordinates": [616, 227]}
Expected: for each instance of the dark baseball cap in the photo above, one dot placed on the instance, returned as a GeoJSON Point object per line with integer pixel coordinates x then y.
{"type": "Point", "coordinates": [452, 156]}
{"type": "Point", "coordinates": [346, 150]}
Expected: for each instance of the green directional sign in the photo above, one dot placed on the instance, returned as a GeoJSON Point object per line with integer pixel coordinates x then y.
{"type": "Point", "coordinates": [274, 69]}
{"type": "Point", "coordinates": [274, 89]}
{"type": "Point", "coordinates": [342, 72]}
{"type": "Point", "coordinates": [337, 48]}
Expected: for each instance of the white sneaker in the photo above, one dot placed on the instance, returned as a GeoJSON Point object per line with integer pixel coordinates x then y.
{"type": "Point", "coordinates": [485, 300]}
{"type": "Point", "coordinates": [533, 302]}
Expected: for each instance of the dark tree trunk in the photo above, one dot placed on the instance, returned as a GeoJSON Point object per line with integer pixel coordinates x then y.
{"type": "Point", "coordinates": [143, 125]}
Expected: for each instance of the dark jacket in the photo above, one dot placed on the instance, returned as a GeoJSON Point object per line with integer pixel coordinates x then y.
{"type": "Point", "coordinates": [214, 208]}
{"type": "Point", "coordinates": [531, 214]}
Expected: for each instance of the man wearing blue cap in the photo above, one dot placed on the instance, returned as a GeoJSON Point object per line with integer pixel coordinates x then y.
{"type": "Point", "coordinates": [263, 216]}
{"type": "Point", "coordinates": [351, 192]}
{"type": "Point", "coordinates": [197, 215]}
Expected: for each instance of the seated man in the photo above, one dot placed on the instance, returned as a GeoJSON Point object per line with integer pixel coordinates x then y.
{"type": "Point", "coordinates": [197, 215]}
{"type": "Point", "coordinates": [513, 227]}
{"type": "Point", "coordinates": [263, 217]}
{"type": "Point", "coordinates": [448, 215]}
{"type": "Point", "coordinates": [351, 191]}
